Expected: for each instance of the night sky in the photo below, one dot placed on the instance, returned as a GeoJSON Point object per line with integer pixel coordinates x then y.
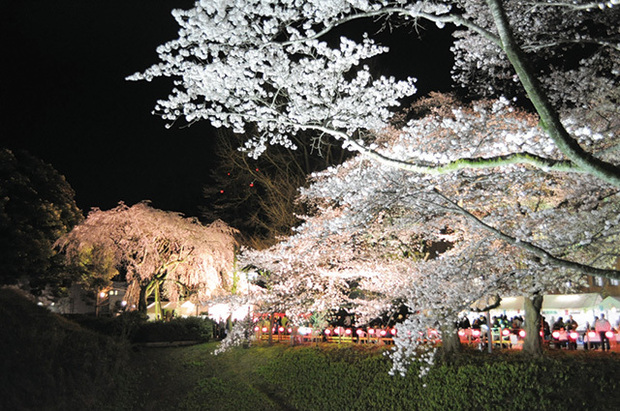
{"type": "Point", "coordinates": [63, 98]}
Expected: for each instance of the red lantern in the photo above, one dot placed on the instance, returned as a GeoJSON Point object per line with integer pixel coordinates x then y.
{"type": "Point", "coordinates": [371, 331]}
{"type": "Point", "coordinates": [609, 334]}
{"type": "Point", "coordinates": [328, 332]}
{"type": "Point", "coordinates": [347, 331]}
{"type": "Point", "coordinates": [359, 332]}
{"type": "Point", "coordinates": [505, 332]}
{"type": "Point", "coordinates": [555, 334]}
{"type": "Point", "coordinates": [522, 333]}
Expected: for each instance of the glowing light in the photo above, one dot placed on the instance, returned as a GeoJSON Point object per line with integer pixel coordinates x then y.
{"type": "Point", "coordinates": [328, 332]}
{"type": "Point", "coordinates": [522, 333]}
{"type": "Point", "coordinates": [591, 334]}
{"type": "Point", "coordinates": [555, 334]}
{"type": "Point", "coordinates": [251, 184]}
{"type": "Point", "coordinates": [609, 334]}
{"type": "Point", "coordinates": [264, 329]}
{"type": "Point", "coordinates": [371, 331]}
{"type": "Point", "coordinates": [221, 191]}
{"type": "Point", "coordinates": [256, 329]}
{"type": "Point", "coordinates": [101, 294]}
{"type": "Point", "coordinates": [304, 330]}
{"type": "Point", "coordinates": [290, 330]}
{"type": "Point", "coordinates": [475, 333]}
{"type": "Point", "coordinates": [124, 303]}
{"type": "Point", "coordinates": [347, 331]}
{"type": "Point", "coordinates": [383, 332]}
{"type": "Point", "coordinates": [281, 329]}
{"type": "Point", "coordinates": [462, 333]}
{"type": "Point", "coordinates": [393, 331]}
{"type": "Point", "coordinates": [359, 332]}
{"type": "Point", "coordinates": [573, 335]}
{"type": "Point", "coordinates": [505, 332]}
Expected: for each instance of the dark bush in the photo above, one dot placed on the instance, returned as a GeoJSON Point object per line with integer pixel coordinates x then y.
{"type": "Point", "coordinates": [179, 329]}
{"type": "Point", "coordinates": [125, 325]}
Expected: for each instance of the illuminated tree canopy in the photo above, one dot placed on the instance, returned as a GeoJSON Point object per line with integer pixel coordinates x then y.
{"type": "Point", "coordinates": [439, 243]}
{"type": "Point", "coordinates": [528, 201]}
{"type": "Point", "coordinates": [159, 251]}
{"type": "Point", "coordinates": [264, 63]}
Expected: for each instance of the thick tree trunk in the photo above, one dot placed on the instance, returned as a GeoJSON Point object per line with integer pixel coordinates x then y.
{"type": "Point", "coordinates": [271, 319]}
{"type": "Point", "coordinates": [533, 341]}
{"type": "Point", "coordinates": [142, 306]}
{"type": "Point", "coordinates": [450, 339]}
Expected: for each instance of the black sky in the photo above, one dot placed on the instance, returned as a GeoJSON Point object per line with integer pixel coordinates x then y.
{"type": "Point", "coordinates": [63, 98]}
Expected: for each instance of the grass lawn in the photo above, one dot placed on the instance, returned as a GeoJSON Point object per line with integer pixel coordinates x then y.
{"type": "Point", "coordinates": [192, 378]}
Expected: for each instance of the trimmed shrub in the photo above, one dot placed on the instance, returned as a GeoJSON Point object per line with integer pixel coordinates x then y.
{"type": "Point", "coordinates": [179, 329]}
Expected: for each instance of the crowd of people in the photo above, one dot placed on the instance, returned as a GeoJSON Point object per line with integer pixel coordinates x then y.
{"type": "Point", "coordinates": [561, 334]}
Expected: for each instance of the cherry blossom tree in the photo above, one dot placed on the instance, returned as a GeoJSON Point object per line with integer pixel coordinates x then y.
{"type": "Point", "coordinates": [161, 252]}
{"type": "Point", "coordinates": [522, 231]}
{"type": "Point", "coordinates": [528, 200]}
{"type": "Point", "coordinates": [266, 64]}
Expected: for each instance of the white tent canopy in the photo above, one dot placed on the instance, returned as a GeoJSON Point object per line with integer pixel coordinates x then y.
{"type": "Point", "coordinates": [555, 302]}
{"type": "Point", "coordinates": [583, 307]}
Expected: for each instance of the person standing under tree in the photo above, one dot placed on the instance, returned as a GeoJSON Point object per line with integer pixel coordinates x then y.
{"type": "Point", "coordinates": [601, 326]}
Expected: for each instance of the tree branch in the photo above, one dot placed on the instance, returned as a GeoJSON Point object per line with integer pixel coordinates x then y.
{"type": "Point", "coordinates": [463, 163]}
{"type": "Point", "coordinates": [549, 117]}
{"type": "Point", "coordinates": [534, 249]}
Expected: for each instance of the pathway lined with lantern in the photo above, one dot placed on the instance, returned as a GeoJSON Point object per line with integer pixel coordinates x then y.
{"type": "Point", "coordinates": [501, 337]}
